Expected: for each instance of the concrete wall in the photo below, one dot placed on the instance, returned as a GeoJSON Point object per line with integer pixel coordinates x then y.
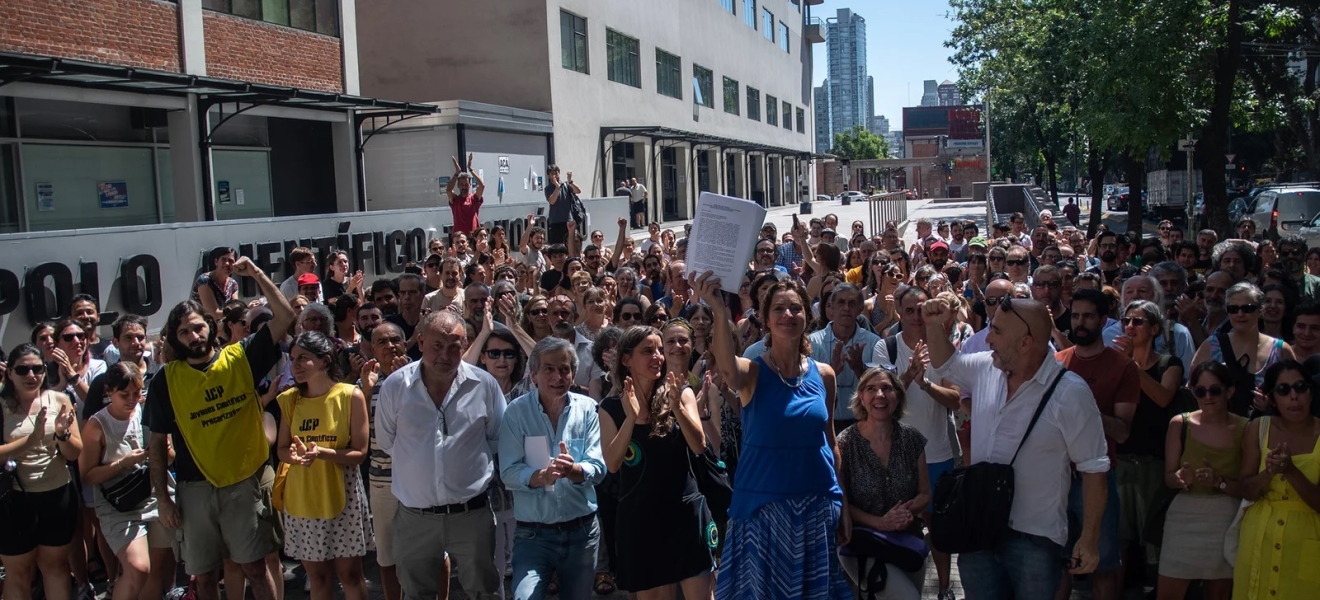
{"type": "Point", "coordinates": [428, 50]}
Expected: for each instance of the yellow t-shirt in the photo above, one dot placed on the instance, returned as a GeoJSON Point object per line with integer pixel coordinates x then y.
{"type": "Point", "coordinates": [218, 414]}
{"type": "Point", "coordinates": [317, 490]}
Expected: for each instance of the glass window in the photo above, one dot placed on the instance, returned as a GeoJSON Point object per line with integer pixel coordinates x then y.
{"type": "Point", "coordinates": [771, 110]}
{"type": "Point", "coordinates": [275, 11]}
{"type": "Point", "coordinates": [248, 9]}
{"type": "Point", "coordinates": [573, 41]}
{"type": "Point", "coordinates": [749, 13]}
{"type": "Point", "coordinates": [220, 5]}
{"type": "Point", "coordinates": [753, 103]}
{"type": "Point", "coordinates": [327, 17]}
{"type": "Point", "coordinates": [703, 80]}
{"type": "Point", "coordinates": [668, 74]}
{"type": "Point", "coordinates": [801, 120]}
{"type": "Point", "coordinates": [730, 96]}
{"type": "Point", "coordinates": [783, 36]}
{"type": "Point", "coordinates": [321, 16]}
{"type": "Point", "coordinates": [787, 114]}
{"type": "Point", "coordinates": [727, 5]}
{"type": "Point", "coordinates": [302, 14]}
{"type": "Point", "coordinates": [768, 24]}
{"type": "Point", "coordinates": [623, 58]}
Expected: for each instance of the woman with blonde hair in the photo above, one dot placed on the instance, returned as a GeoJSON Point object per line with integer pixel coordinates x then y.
{"type": "Point", "coordinates": [536, 317]}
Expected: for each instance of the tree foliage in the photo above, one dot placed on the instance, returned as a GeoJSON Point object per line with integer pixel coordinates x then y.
{"type": "Point", "coordinates": [859, 143]}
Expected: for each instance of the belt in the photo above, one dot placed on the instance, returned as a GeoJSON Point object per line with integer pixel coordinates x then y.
{"type": "Point", "coordinates": [478, 501]}
{"type": "Point", "coordinates": [562, 525]}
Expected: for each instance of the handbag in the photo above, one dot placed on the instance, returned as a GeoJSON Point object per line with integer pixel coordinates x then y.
{"type": "Point", "coordinates": [972, 504]}
{"type": "Point", "coordinates": [712, 477]}
{"type": "Point", "coordinates": [874, 549]}
{"type": "Point", "coordinates": [281, 472]}
{"type": "Point", "coordinates": [1234, 532]}
{"type": "Point", "coordinates": [131, 491]}
{"type": "Point", "coordinates": [1153, 532]}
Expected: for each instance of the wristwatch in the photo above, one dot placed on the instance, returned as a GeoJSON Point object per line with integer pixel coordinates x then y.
{"type": "Point", "coordinates": [65, 437]}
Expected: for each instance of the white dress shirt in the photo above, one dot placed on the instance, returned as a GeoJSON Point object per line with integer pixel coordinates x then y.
{"type": "Point", "coordinates": [431, 467]}
{"type": "Point", "coordinates": [1069, 432]}
{"type": "Point", "coordinates": [932, 419]}
{"type": "Point", "coordinates": [587, 371]}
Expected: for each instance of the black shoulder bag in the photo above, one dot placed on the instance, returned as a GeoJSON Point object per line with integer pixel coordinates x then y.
{"type": "Point", "coordinates": [1244, 381]}
{"type": "Point", "coordinates": [132, 490]}
{"type": "Point", "coordinates": [1153, 532]}
{"type": "Point", "coordinates": [972, 504]}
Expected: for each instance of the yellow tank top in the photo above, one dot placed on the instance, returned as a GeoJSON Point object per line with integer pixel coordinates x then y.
{"type": "Point", "coordinates": [219, 416]}
{"type": "Point", "coordinates": [317, 490]}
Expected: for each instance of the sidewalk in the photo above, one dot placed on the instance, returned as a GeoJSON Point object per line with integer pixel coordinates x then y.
{"type": "Point", "coordinates": [782, 217]}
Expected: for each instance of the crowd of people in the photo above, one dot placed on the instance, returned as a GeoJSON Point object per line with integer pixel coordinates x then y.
{"type": "Point", "coordinates": [554, 415]}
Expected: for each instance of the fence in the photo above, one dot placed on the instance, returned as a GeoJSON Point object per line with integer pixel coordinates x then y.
{"type": "Point", "coordinates": [884, 208]}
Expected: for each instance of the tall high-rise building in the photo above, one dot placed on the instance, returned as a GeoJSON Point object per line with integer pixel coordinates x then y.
{"type": "Point", "coordinates": [931, 96]}
{"type": "Point", "coordinates": [870, 98]}
{"type": "Point", "coordinates": [879, 125]}
{"type": "Point", "coordinates": [948, 94]}
{"type": "Point", "coordinates": [846, 45]}
{"type": "Point", "coordinates": [824, 136]}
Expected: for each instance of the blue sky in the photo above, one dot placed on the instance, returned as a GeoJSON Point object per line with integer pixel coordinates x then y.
{"type": "Point", "coordinates": [905, 46]}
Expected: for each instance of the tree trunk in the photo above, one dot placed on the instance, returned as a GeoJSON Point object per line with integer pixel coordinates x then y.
{"type": "Point", "coordinates": [1052, 175]}
{"type": "Point", "coordinates": [1096, 166]}
{"type": "Point", "coordinates": [1214, 140]}
{"type": "Point", "coordinates": [1134, 166]}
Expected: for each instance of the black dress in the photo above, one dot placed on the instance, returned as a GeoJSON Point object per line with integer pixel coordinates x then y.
{"type": "Point", "coordinates": [665, 532]}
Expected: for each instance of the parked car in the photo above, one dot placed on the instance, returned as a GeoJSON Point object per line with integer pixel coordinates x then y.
{"type": "Point", "coordinates": [823, 198]}
{"type": "Point", "coordinates": [1311, 231]}
{"type": "Point", "coordinates": [1118, 200]}
{"type": "Point", "coordinates": [851, 196]}
{"type": "Point", "coordinates": [1285, 208]}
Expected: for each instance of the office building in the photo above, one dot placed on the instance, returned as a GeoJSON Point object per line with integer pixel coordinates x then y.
{"type": "Point", "coordinates": [846, 47]}
{"type": "Point", "coordinates": [824, 137]}
{"type": "Point", "coordinates": [879, 125]}
{"type": "Point", "coordinates": [930, 96]}
{"type": "Point", "coordinates": [948, 94]}
{"type": "Point", "coordinates": [685, 95]}
{"type": "Point", "coordinates": [896, 149]}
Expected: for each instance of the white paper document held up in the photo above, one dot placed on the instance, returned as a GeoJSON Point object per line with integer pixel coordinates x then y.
{"type": "Point", "coordinates": [724, 233]}
{"type": "Point", "coordinates": [536, 451]}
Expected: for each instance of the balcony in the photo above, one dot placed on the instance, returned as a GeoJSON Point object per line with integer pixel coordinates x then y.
{"type": "Point", "coordinates": [813, 2]}
{"type": "Point", "coordinates": [814, 30]}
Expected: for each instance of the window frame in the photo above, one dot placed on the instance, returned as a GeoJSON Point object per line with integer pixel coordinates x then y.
{"type": "Point", "coordinates": [783, 37]}
{"type": "Point", "coordinates": [708, 89]}
{"type": "Point", "coordinates": [568, 46]}
{"type": "Point", "coordinates": [613, 39]}
{"type": "Point", "coordinates": [772, 110]}
{"type": "Point", "coordinates": [664, 87]}
{"type": "Point", "coordinates": [753, 103]}
{"type": "Point", "coordinates": [749, 13]}
{"type": "Point", "coordinates": [313, 7]}
{"type": "Point", "coordinates": [737, 99]}
{"type": "Point", "coordinates": [768, 24]}
{"type": "Point", "coordinates": [801, 120]}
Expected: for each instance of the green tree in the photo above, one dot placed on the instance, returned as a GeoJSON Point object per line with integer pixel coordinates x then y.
{"type": "Point", "coordinates": [859, 143]}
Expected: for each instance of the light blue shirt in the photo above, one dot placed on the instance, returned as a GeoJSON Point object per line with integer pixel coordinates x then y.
{"type": "Point", "coordinates": [579, 429]}
{"type": "Point", "coordinates": [822, 350]}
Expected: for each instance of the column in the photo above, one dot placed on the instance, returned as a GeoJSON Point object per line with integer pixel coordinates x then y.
{"type": "Point", "coordinates": [192, 43]}
{"type": "Point", "coordinates": [186, 162]}
{"type": "Point", "coordinates": [346, 165]}
{"type": "Point", "coordinates": [348, 45]}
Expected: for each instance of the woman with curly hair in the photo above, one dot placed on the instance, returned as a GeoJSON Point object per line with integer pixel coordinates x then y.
{"type": "Point", "coordinates": [649, 427]}
{"type": "Point", "coordinates": [788, 512]}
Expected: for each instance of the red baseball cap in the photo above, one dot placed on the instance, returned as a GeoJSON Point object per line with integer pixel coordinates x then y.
{"type": "Point", "coordinates": [308, 279]}
{"type": "Point", "coordinates": [938, 245]}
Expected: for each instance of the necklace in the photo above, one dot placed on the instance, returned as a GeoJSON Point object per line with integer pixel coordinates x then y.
{"type": "Point", "coordinates": [796, 380]}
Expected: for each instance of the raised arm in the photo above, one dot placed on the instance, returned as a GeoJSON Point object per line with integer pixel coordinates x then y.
{"type": "Point", "coordinates": [481, 185]}
{"type": "Point", "coordinates": [453, 181]}
{"type": "Point", "coordinates": [616, 257]}
{"type": "Point", "coordinates": [282, 312]}
{"type": "Point", "coordinates": [526, 234]}
{"type": "Point", "coordinates": [738, 372]}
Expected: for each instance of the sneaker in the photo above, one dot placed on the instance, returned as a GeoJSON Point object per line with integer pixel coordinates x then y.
{"type": "Point", "coordinates": [947, 595]}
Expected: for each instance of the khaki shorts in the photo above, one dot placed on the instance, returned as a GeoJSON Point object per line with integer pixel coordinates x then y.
{"type": "Point", "coordinates": [235, 522]}
{"type": "Point", "coordinates": [383, 507]}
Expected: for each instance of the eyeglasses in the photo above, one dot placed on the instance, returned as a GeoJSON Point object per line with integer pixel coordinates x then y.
{"type": "Point", "coordinates": [766, 251]}
{"type": "Point", "coordinates": [1138, 321]}
{"type": "Point", "coordinates": [539, 312]}
{"type": "Point", "coordinates": [659, 318]}
{"type": "Point", "coordinates": [1016, 262]}
{"type": "Point", "coordinates": [496, 354]}
{"type": "Point", "coordinates": [1213, 391]}
{"type": "Point", "coordinates": [1165, 228]}
{"type": "Point", "coordinates": [1234, 309]}
{"type": "Point", "coordinates": [69, 337]}
{"type": "Point", "coordinates": [1301, 387]}
{"type": "Point", "coordinates": [25, 370]}
{"type": "Point", "coordinates": [1054, 285]}
{"type": "Point", "coordinates": [994, 301]}
{"type": "Point", "coordinates": [630, 316]}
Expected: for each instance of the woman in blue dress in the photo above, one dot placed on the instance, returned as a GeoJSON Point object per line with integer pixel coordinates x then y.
{"type": "Point", "coordinates": [787, 516]}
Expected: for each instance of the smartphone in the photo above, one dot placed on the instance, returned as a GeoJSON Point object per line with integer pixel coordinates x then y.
{"type": "Point", "coordinates": [796, 223]}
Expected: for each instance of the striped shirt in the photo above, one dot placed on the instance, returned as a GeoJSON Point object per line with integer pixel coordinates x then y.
{"type": "Point", "coordinates": [380, 465]}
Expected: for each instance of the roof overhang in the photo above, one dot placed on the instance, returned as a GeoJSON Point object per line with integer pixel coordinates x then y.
{"type": "Point", "coordinates": [30, 68]}
{"type": "Point", "coordinates": [660, 133]}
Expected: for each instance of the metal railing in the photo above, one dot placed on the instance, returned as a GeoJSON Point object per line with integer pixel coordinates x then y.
{"type": "Point", "coordinates": [884, 208]}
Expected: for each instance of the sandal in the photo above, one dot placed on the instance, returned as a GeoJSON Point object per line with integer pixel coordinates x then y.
{"type": "Point", "coordinates": [604, 584]}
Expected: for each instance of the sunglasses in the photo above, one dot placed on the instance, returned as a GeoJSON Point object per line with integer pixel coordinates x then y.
{"type": "Point", "coordinates": [659, 318]}
{"type": "Point", "coordinates": [996, 259]}
{"type": "Point", "coordinates": [1138, 321]}
{"type": "Point", "coordinates": [25, 370]}
{"type": "Point", "coordinates": [69, 337]}
{"type": "Point", "coordinates": [539, 312]}
{"type": "Point", "coordinates": [1301, 387]}
{"type": "Point", "coordinates": [1290, 253]}
{"type": "Point", "coordinates": [1213, 391]}
{"type": "Point", "coordinates": [995, 301]}
{"type": "Point", "coordinates": [630, 316]}
{"type": "Point", "coordinates": [1016, 262]}
{"type": "Point", "coordinates": [1165, 228]}
{"type": "Point", "coordinates": [1234, 309]}
{"type": "Point", "coordinates": [509, 354]}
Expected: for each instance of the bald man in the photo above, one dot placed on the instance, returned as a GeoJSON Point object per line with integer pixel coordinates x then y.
{"type": "Point", "coordinates": [1007, 385]}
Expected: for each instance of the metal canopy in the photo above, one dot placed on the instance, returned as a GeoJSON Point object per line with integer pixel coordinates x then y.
{"type": "Point", "coordinates": [668, 133]}
{"type": "Point", "coordinates": [62, 71]}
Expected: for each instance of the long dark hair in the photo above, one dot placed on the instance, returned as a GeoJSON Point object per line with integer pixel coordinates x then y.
{"type": "Point", "coordinates": [662, 419]}
{"type": "Point", "coordinates": [321, 346]}
{"type": "Point", "coordinates": [7, 390]}
{"type": "Point", "coordinates": [1276, 371]}
{"type": "Point", "coordinates": [176, 317]}
{"type": "Point", "coordinates": [520, 363]}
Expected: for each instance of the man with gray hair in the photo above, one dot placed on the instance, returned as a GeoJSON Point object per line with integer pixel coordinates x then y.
{"type": "Point", "coordinates": [550, 458]}
{"type": "Point", "coordinates": [439, 420]}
